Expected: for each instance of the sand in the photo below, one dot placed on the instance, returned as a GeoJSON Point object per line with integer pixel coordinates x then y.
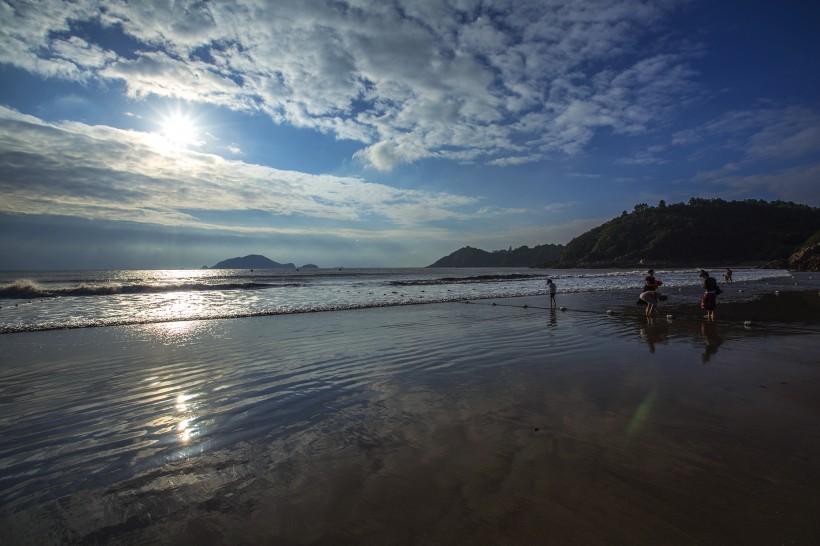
{"type": "Point", "coordinates": [458, 423]}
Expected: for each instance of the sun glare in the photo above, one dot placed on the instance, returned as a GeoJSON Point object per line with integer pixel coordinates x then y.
{"type": "Point", "coordinates": [179, 131]}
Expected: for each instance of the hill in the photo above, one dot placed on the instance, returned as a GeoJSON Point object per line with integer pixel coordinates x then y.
{"type": "Point", "coordinates": [702, 231]}
{"type": "Point", "coordinates": [808, 257]}
{"type": "Point", "coordinates": [252, 261]}
{"type": "Point", "coordinates": [520, 257]}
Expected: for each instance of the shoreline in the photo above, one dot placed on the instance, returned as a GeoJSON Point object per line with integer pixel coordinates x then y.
{"type": "Point", "coordinates": [616, 299]}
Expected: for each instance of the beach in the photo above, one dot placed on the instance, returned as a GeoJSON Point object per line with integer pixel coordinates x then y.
{"type": "Point", "coordinates": [493, 421]}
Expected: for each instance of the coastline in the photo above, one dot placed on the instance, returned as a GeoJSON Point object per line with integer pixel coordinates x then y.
{"type": "Point", "coordinates": [487, 422]}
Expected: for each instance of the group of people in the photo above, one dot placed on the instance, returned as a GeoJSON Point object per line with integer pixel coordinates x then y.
{"type": "Point", "coordinates": [652, 296]}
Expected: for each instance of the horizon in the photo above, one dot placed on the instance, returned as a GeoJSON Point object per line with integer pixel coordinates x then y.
{"type": "Point", "coordinates": [166, 136]}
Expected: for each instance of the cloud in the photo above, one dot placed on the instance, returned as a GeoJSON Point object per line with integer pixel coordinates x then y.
{"type": "Point", "coordinates": [797, 184]}
{"type": "Point", "coordinates": [765, 132]}
{"type": "Point", "coordinates": [648, 156]}
{"type": "Point", "coordinates": [501, 83]}
{"type": "Point", "coordinates": [561, 233]}
{"type": "Point", "coordinates": [121, 176]}
{"type": "Point", "coordinates": [782, 141]}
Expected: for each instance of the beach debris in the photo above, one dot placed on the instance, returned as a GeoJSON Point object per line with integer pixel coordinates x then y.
{"type": "Point", "coordinates": [563, 308]}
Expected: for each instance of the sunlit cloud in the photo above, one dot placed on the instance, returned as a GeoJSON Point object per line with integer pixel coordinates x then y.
{"type": "Point", "coordinates": [123, 176]}
{"type": "Point", "coordinates": [408, 80]}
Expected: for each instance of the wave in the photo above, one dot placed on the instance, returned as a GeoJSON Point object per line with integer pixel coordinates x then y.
{"type": "Point", "coordinates": [464, 280]}
{"type": "Point", "coordinates": [31, 290]}
{"type": "Point", "coordinates": [220, 314]}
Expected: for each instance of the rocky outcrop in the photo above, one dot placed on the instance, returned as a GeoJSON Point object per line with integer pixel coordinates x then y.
{"type": "Point", "coordinates": [806, 259]}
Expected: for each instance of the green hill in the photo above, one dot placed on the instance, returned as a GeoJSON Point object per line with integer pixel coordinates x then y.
{"type": "Point", "coordinates": [702, 231]}
{"type": "Point", "coordinates": [520, 257]}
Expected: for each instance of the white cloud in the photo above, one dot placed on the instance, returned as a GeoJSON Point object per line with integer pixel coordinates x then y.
{"type": "Point", "coordinates": [798, 184]}
{"type": "Point", "coordinates": [784, 140]}
{"type": "Point", "coordinates": [536, 235]}
{"type": "Point", "coordinates": [648, 156]}
{"type": "Point", "coordinates": [120, 176]}
{"type": "Point", "coordinates": [766, 132]}
{"type": "Point", "coordinates": [408, 79]}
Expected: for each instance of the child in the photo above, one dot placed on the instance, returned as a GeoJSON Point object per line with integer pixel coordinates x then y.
{"type": "Point", "coordinates": [650, 294]}
{"type": "Point", "coordinates": [710, 295]}
{"type": "Point", "coordinates": [552, 288]}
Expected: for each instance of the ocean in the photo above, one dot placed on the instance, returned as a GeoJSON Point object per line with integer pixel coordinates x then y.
{"type": "Point", "coordinates": [51, 300]}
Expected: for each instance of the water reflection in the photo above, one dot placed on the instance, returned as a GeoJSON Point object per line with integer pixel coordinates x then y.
{"type": "Point", "coordinates": [711, 340]}
{"type": "Point", "coordinates": [656, 332]}
{"type": "Point", "coordinates": [176, 332]}
{"type": "Point", "coordinates": [653, 333]}
{"type": "Point", "coordinates": [184, 412]}
{"type": "Point", "coordinates": [551, 320]}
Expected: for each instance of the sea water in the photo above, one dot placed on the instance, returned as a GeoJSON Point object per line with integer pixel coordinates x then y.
{"type": "Point", "coordinates": [48, 300]}
{"type": "Point", "coordinates": [172, 429]}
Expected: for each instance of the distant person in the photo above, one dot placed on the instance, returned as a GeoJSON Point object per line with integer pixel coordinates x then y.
{"type": "Point", "coordinates": [650, 294]}
{"type": "Point", "coordinates": [711, 291]}
{"type": "Point", "coordinates": [727, 276]}
{"type": "Point", "coordinates": [553, 290]}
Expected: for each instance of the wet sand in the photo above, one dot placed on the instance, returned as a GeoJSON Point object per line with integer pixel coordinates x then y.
{"type": "Point", "coordinates": [459, 423]}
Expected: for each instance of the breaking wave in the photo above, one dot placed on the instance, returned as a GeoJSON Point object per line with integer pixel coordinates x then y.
{"type": "Point", "coordinates": [25, 289]}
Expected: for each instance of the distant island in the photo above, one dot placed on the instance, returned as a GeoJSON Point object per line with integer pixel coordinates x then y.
{"type": "Point", "coordinates": [256, 261]}
{"type": "Point", "coordinates": [702, 232]}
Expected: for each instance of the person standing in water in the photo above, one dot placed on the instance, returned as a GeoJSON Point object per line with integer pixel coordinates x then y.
{"type": "Point", "coordinates": [650, 294]}
{"type": "Point", "coordinates": [727, 276]}
{"type": "Point", "coordinates": [553, 290]}
{"type": "Point", "coordinates": [711, 291]}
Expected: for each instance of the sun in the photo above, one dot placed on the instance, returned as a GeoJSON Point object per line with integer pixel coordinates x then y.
{"type": "Point", "coordinates": [179, 131]}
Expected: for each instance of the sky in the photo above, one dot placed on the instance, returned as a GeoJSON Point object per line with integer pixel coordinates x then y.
{"type": "Point", "coordinates": [386, 133]}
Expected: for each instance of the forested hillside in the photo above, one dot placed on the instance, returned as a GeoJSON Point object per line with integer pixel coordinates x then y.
{"type": "Point", "coordinates": [702, 231]}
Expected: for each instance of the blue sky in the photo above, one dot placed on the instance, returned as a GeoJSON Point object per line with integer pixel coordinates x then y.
{"type": "Point", "coordinates": [386, 133]}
